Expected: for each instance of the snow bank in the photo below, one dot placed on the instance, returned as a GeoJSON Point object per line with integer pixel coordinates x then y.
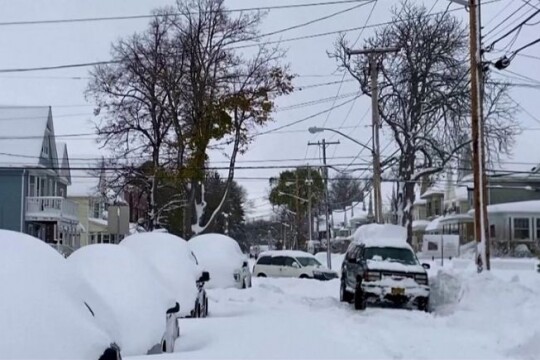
{"type": "Point", "coordinates": [133, 290]}
{"type": "Point", "coordinates": [381, 235]}
{"type": "Point", "coordinates": [172, 258]}
{"type": "Point", "coordinates": [220, 255]}
{"type": "Point", "coordinates": [42, 312]}
{"type": "Point", "coordinates": [337, 260]}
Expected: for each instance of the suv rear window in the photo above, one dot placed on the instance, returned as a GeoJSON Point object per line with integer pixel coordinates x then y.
{"type": "Point", "coordinates": [265, 260]}
{"type": "Point", "coordinates": [392, 254]}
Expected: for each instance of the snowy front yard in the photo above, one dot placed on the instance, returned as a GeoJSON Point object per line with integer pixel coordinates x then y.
{"type": "Point", "coordinates": [487, 316]}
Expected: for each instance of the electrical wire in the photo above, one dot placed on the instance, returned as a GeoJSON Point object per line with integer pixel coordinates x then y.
{"type": "Point", "coordinates": [515, 28]}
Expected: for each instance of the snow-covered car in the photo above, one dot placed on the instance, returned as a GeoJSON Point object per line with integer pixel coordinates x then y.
{"type": "Point", "coordinates": [381, 267]}
{"type": "Point", "coordinates": [291, 263]}
{"type": "Point", "coordinates": [44, 313]}
{"type": "Point", "coordinates": [222, 257]}
{"type": "Point", "coordinates": [135, 293]}
{"type": "Point", "coordinates": [171, 256]}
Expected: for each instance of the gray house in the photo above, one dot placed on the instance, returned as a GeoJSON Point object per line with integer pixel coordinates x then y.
{"type": "Point", "coordinates": [34, 177]}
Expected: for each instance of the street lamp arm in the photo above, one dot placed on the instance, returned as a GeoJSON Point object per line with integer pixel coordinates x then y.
{"type": "Point", "coordinates": [293, 196]}
{"type": "Point", "coordinates": [314, 130]}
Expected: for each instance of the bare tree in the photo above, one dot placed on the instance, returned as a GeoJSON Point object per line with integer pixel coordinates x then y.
{"type": "Point", "coordinates": [226, 94]}
{"type": "Point", "coordinates": [132, 103]}
{"type": "Point", "coordinates": [424, 96]}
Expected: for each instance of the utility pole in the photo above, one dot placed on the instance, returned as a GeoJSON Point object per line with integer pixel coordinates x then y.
{"type": "Point", "coordinates": [310, 217]}
{"type": "Point", "coordinates": [480, 187]}
{"type": "Point", "coordinates": [324, 145]}
{"type": "Point", "coordinates": [297, 216]}
{"type": "Point", "coordinates": [374, 72]}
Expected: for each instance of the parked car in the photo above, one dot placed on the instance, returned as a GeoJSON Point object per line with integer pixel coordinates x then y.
{"type": "Point", "coordinates": [222, 257]}
{"type": "Point", "coordinates": [171, 257]}
{"type": "Point", "coordinates": [381, 267]}
{"type": "Point", "coordinates": [289, 263]}
{"type": "Point", "coordinates": [44, 313]}
{"type": "Point", "coordinates": [127, 282]}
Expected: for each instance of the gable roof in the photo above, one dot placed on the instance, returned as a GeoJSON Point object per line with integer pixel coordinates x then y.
{"type": "Point", "coordinates": [63, 161]}
{"type": "Point", "coordinates": [22, 132]}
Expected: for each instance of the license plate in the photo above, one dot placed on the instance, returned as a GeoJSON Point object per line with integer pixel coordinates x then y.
{"type": "Point", "coordinates": [398, 291]}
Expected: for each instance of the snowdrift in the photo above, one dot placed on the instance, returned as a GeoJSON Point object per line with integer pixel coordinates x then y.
{"type": "Point", "coordinates": [173, 260]}
{"type": "Point", "coordinates": [42, 310]}
{"type": "Point", "coordinates": [220, 255]}
{"type": "Point", "coordinates": [132, 288]}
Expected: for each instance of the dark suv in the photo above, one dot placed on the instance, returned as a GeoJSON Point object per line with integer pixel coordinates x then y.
{"type": "Point", "coordinates": [379, 273]}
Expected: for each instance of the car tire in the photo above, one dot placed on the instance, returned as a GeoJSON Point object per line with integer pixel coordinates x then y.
{"type": "Point", "coordinates": [304, 276]}
{"type": "Point", "coordinates": [205, 312]}
{"type": "Point", "coordinates": [344, 295]}
{"type": "Point", "coordinates": [261, 275]}
{"type": "Point", "coordinates": [244, 284]}
{"type": "Point", "coordinates": [163, 346]}
{"type": "Point", "coordinates": [423, 305]}
{"type": "Point", "coordinates": [359, 299]}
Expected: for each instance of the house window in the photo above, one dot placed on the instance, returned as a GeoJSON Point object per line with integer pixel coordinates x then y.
{"type": "Point", "coordinates": [431, 246]}
{"type": "Point", "coordinates": [105, 238]}
{"type": "Point", "coordinates": [93, 238]}
{"type": "Point", "coordinates": [32, 186]}
{"type": "Point", "coordinates": [537, 229]}
{"type": "Point", "coordinates": [521, 229]}
{"type": "Point", "coordinates": [492, 231]}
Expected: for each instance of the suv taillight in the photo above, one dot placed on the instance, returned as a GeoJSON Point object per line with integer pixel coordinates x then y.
{"type": "Point", "coordinates": [372, 276]}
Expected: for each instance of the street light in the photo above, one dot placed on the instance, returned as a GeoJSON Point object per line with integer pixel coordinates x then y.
{"type": "Point", "coordinates": [314, 130]}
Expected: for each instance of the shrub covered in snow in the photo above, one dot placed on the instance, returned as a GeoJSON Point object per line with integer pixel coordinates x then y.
{"type": "Point", "coordinates": [220, 255]}
{"type": "Point", "coordinates": [172, 258]}
{"type": "Point", "coordinates": [43, 314]}
{"type": "Point", "coordinates": [133, 289]}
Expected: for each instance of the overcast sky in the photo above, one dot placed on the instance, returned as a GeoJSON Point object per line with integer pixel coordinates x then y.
{"type": "Point", "coordinates": [56, 44]}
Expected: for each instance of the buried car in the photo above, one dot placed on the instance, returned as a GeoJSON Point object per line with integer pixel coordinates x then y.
{"type": "Point", "coordinates": [223, 258]}
{"type": "Point", "coordinates": [46, 312]}
{"type": "Point", "coordinates": [381, 267]}
{"type": "Point", "coordinates": [174, 261]}
{"type": "Point", "coordinates": [127, 282]}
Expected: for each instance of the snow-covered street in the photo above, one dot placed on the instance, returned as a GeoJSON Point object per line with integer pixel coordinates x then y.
{"type": "Point", "coordinates": [489, 316]}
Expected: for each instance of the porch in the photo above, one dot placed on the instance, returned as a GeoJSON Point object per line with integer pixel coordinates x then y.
{"type": "Point", "coordinates": [50, 208]}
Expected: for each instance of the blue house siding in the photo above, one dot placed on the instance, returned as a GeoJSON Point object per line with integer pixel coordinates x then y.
{"type": "Point", "coordinates": [11, 199]}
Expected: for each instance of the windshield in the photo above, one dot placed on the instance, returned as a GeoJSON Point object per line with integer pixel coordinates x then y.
{"type": "Point", "coordinates": [400, 255]}
{"type": "Point", "coordinates": [308, 261]}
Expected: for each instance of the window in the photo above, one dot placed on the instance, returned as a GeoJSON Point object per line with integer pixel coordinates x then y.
{"type": "Point", "coordinates": [431, 246]}
{"type": "Point", "coordinates": [32, 186]}
{"type": "Point", "coordinates": [537, 229]}
{"type": "Point", "coordinates": [288, 261]}
{"type": "Point", "coordinates": [93, 238]}
{"type": "Point", "coordinates": [492, 231]}
{"type": "Point", "coordinates": [106, 238]}
{"type": "Point", "coordinates": [265, 260]}
{"type": "Point", "coordinates": [279, 261]}
{"type": "Point", "coordinates": [521, 229]}
{"type": "Point", "coordinates": [308, 261]}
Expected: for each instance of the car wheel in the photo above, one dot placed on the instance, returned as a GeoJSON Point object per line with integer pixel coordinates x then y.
{"type": "Point", "coordinates": [423, 305]}
{"type": "Point", "coordinates": [344, 295]}
{"type": "Point", "coordinates": [205, 313]}
{"type": "Point", "coordinates": [112, 353]}
{"type": "Point", "coordinates": [261, 275]}
{"type": "Point", "coordinates": [164, 346]}
{"type": "Point", "coordinates": [244, 284]}
{"type": "Point", "coordinates": [359, 299]}
{"type": "Point", "coordinates": [198, 311]}
{"type": "Point", "coordinates": [304, 276]}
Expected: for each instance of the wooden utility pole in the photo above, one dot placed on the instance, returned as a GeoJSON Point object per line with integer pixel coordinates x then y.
{"type": "Point", "coordinates": [309, 182]}
{"type": "Point", "coordinates": [480, 187]}
{"type": "Point", "coordinates": [324, 145]}
{"type": "Point", "coordinates": [374, 72]}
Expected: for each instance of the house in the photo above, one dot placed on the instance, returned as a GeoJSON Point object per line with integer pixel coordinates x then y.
{"type": "Point", "coordinates": [34, 177]}
{"type": "Point", "coordinates": [89, 193]}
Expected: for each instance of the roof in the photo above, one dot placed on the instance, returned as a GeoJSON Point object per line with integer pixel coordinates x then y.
{"type": "Point", "coordinates": [22, 129]}
{"type": "Point", "coordinates": [523, 207]}
{"type": "Point", "coordinates": [351, 212]}
{"type": "Point", "coordinates": [434, 225]}
{"type": "Point", "coordinates": [420, 224]}
{"type": "Point", "coordinates": [293, 253]}
{"type": "Point", "coordinates": [455, 218]}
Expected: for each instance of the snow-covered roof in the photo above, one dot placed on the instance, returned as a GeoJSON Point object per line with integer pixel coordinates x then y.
{"type": "Point", "coordinates": [100, 222]}
{"type": "Point", "coordinates": [434, 225]}
{"type": "Point", "coordinates": [381, 235]}
{"type": "Point", "coordinates": [293, 253]}
{"type": "Point", "coordinates": [354, 212]}
{"type": "Point", "coordinates": [420, 224]}
{"type": "Point", "coordinates": [455, 218]}
{"type": "Point", "coordinates": [83, 184]}
{"type": "Point", "coordinates": [22, 130]}
{"type": "Point", "coordinates": [523, 207]}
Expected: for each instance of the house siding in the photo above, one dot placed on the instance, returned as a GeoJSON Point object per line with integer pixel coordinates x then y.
{"type": "Point", "coordinates": [501, 196]}
{"type": "Point", "coordinates": [11, 199]}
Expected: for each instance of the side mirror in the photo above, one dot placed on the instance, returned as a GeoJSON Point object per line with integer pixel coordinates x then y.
{"type": "Point", "coordinates": [426, 266]}
{"type": "Point", "coordinates": [205, 277]}
{"type": "Point", "coordinates": [174, 309]}
{"type": "Point", "coordinates": [295, 265]}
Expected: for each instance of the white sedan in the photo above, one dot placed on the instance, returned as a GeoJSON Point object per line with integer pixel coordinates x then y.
{"type": "Point", "coordinates": [222, 257]}
{"type": "Point", "coordinates": [127, 282]}
{"type": "Point", "coordinates": [174, 261]}
{"type": "Point", "coordinates": [46, 312]}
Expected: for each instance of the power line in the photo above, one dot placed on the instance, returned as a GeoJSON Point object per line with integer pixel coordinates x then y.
{"type": "Point", "coordinates": [504, 20]}
{"type": "Point", "coordinates": [515, 28]}
{"type": "Point", "coordinates": [135, 17]}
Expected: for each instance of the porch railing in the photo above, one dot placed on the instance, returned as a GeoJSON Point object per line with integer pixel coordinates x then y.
{"type": "Point", "coordinates": [49, 207]}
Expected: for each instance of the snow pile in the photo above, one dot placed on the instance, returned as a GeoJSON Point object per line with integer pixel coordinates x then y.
{"type": "Point", "coordinates": [337, 260]}
{"type": "Point", "coordinates": [220, 255]}
{"type": "Point", "coordinates": [172, 258]}
{"type": "Point", "coordinates": [381, 235]}
{"type": "Point", "coordinates": [133, 290]}
{"type": "Point", "coordinates": [446, 290]}
{"type": "Point", "coordinates": [42, 312]}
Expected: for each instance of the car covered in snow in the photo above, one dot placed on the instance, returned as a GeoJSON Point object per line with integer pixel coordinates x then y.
{"type": "Point", "coordinates": [171, 256]}
{"type": "Point", "coordinates": [381, 267]}
{"type": "Point", "coordinates": [222, 257]}
{"type": "Point", "coordinates": [291, 263]}
{"type": "Point", "coordinates": [46, 312]}
{"type": "Point", "coordinates": [135, 293]}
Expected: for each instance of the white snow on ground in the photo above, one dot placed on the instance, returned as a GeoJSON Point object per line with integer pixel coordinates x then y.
{"type": "Point", "coordinates": [476, 316]}
{"type": "Point", "coordinates": [126, 282]}
{"type": "Point", "coordinates": [220, 255]}
{"type": "Point", "coordinates": [172, 258]}
{"type": "Point", "coordinates": [42, 310]}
